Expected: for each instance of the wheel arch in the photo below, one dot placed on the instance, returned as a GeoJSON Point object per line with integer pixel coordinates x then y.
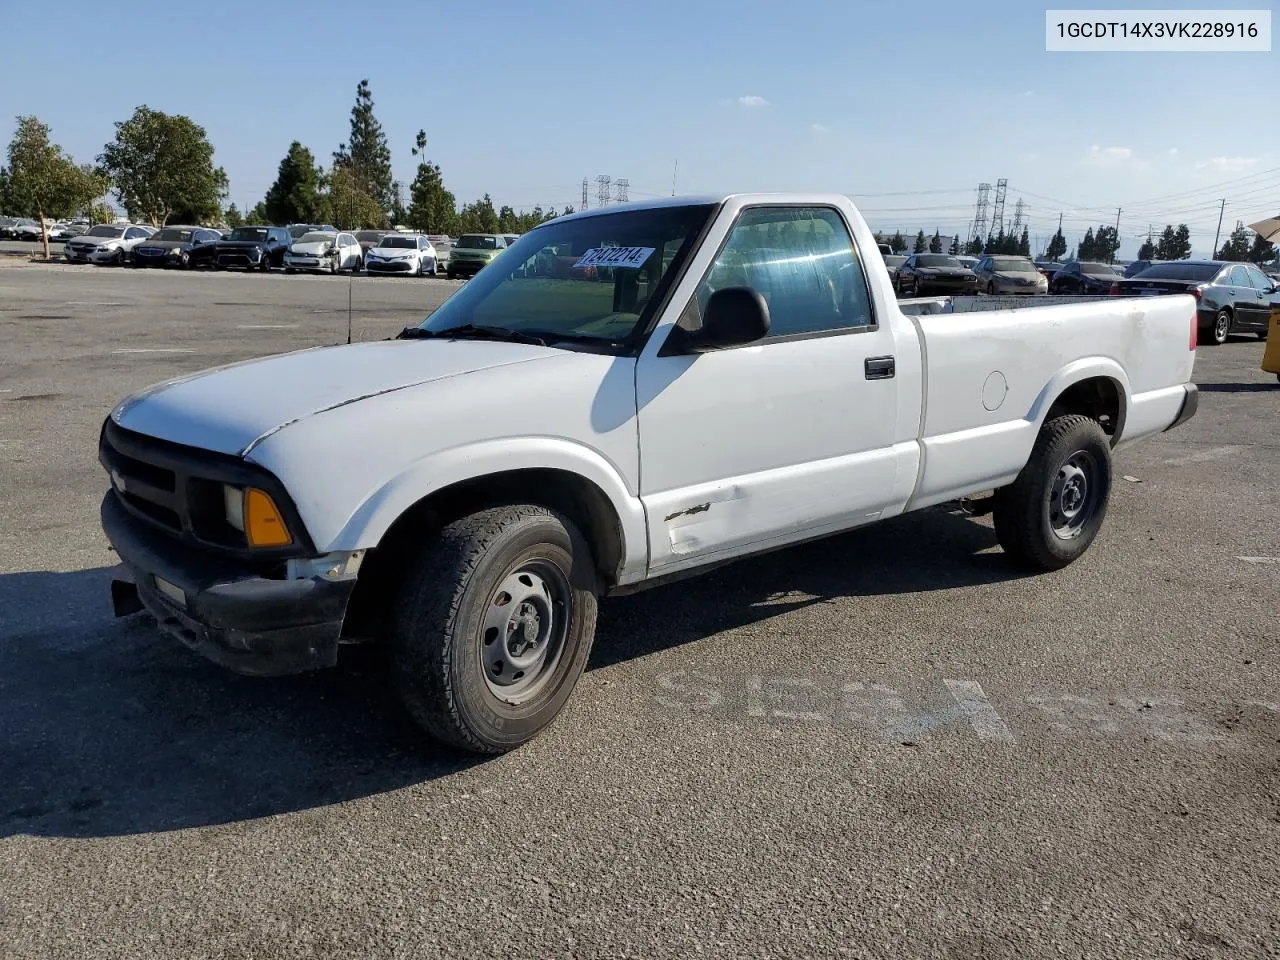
{"type": "Point", "coordinates": [1096, 387]}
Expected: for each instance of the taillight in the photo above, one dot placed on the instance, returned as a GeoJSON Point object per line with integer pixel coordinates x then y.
{"type": "Point", "coordinates": [1115, 290]}
{"type": "Point", "coordinates": [1195, 332]}
{"type": "Point", "coordinates": [1196, 291]}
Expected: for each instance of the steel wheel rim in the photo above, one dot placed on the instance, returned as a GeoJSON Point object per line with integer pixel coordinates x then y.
{"type": "Point", "coordinates": [1221, 327]}
{"type": "Point", "coordinates": [1073, 498]}
{"type": "Point", "coordinates": [523, 633]}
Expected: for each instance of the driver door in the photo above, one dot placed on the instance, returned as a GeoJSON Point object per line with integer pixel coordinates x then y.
{"type": "Point", "coordinates": [774, 441]}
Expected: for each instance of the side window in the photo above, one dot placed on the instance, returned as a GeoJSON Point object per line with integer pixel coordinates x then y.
{"type": "Point", "coordinates": [135, 233]}
{"type": "Point", "coordinates": [802, 261]}
{"type": "Point", "coordinates": [1260, 280]}
{"type": "Point", "coordinates": [1239, 277]}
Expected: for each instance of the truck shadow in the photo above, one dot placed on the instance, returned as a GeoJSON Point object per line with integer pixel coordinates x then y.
{"type": "Point", "coordinates": [1239, 387]}
{"type": "Point", "coordinates": [111, 729]}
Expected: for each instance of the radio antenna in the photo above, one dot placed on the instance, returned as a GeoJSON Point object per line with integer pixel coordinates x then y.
{"type": "Point", "coordinates": [351, 282]}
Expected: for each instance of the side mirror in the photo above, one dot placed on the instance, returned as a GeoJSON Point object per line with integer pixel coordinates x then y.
{"type": "Point", "coordinates": [734, 316]}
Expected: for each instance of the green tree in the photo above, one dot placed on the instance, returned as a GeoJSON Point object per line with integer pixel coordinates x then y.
{"type": "Point", "coordinates": [898, 243]}
{"type": "Point", "coordinates": [350, 207]}
{"type": "Point", "coordinates": [1085, 251]}
{"type": "Point", "coordinates": [1236, 246]}
{"type": "Point", "coordinates": [257, 215]}
{"type": "Point", "coordinates": [45, 182]}
{"type": "Point", "coordinates": [478, 217]}
{"type": "Point", "coordinates": [1148, 250]}
{"type": "Point", "coordinates": [1057, 245]}
{"type": "Point", "coordinates": [1181, 242]}
{"type": "Point", "coordinates": [1024, 243]}
{"type": "Point", "coordinates": [974, 247]}
{"type": "Point", "coordinates": [366, 154]}
{"type": "Point", "coordinates": [160, 164]}
{"type": "Point", "coordinates": [507, 219]}
{"type": "Point", "coordinates": [1165, 245]}
{"type": "Point", "coordinates": [233, 217]}
{"type": "Point", "coordinates": [432, 208]}
{"type": "Point", "coordinates": [1262, 251]}
{"type": "Point", "coordinates": [297, 196]}
{"type": "Point", "coordinates": [568, 211]}
{"type": "Point", "coordinates": [6, 197]}
{"type": "Point", "coordinates": [995, 243]}
{"type": "Point", "coordinates": [921, 244]}
{"type": "Point", "coordinates": [935, 243]}
{"type": "Point", "coordinates": [1105, 244]}
{"type": "Point", "coordinates": [101, 212]}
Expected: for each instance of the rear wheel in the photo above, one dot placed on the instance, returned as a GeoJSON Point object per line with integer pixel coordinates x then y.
{"type": "Point", "coordinates": [1221, 327]}
{"type": "Point", "coordinates": [1051, 513]}
{"type": "Point", "coordinates": [493, 627]}
{"type": "Point", "coordinates": [991, 288]}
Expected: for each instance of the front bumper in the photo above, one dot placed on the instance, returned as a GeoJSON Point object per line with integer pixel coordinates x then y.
{"type": "Point", "coordinates": [467, 268]}
{"type": "Point", "coordinates": [390, 266]}
{"type": "Point", "coordinates": [1008, 288]}
{"type": "Point", "coordinates": [304, 263]}
{"type": "Point", "coordinates": [246, 623]}
{"type": "Point", "coordinates": [934, 285]}
{"type": "Point", "coordinates": [238, 259]}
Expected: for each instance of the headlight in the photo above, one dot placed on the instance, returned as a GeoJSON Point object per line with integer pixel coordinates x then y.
{"type": "Point", "coordinates": [255, 514]}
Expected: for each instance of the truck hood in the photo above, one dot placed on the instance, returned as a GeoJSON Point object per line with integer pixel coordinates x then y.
{"type": "Point", "coordinates": [239, 244]}
{"type": "Point", "coordinates": [229, 409]}
{"type": "Point", "coordinates": [96, 241]}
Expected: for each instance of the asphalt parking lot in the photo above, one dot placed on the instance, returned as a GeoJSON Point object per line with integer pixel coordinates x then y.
{"type": "Point", "coordinates": [888, 744]}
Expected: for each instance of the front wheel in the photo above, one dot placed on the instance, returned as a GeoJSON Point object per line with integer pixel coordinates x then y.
{"type": "Point", "coordinates": [493, 627]}
{"type": "Point", "coordinates": [1051, 513]}
{"type": "Point", "coordinates": [333, 264]}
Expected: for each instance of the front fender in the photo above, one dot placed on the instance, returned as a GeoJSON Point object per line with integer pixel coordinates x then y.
{"type": "Point", "coordinates": [372, 518]}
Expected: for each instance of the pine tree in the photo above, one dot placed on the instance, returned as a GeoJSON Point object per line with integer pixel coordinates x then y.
{"type": "Point", "coordinates": [921, 244]}
{"type": "Point", "coordinates": [1147, 251]}
{"type": "Point", "coordinates": [432, 208]}
{"type": "Point", "coordinates": [974, 247]}
{"type": "Point", "coordinates": [1236, 246]}
{"type": "Point", "coordinates": [898, 242]}
{"type": "Point", "coordinates": [296, 196]}
{"type": "Point", "coordinates": [1262, 251]}
{"type": "Point", "coordinates": [1057, 245]}
{"type": "Point", "coordinates": [233, 217]}
{"type": "Point", "coordinates": [1182, 243]}
{"type": "Point", "coordinates": [1024, 243]}
{"type": "Point", "coordinates": [1086, 251]}
{"type": "Point", "coordinates": [366, 154]}
{"type": "Point", "coordinates": [1165, 245]}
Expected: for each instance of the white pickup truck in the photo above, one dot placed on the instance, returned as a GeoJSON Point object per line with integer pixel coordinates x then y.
{"type": "Point", "coordinates": [622, 397]}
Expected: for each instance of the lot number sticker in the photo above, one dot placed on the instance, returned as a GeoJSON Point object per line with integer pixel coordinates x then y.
{"type": "Point", "coordinates": [615, 257]}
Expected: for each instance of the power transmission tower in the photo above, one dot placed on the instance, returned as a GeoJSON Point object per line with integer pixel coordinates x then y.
{"type": "Point", "coordinates": [997, 215]}
{"type": "Point", "coordinates": [584, 194]}
{"type": "Point", "coordinates": [603, 190]}
{"type": "Point", "coordinates": [621, 187]}
{"type": "Point", "coordinates": [980, 216]}
{"type": "Point", "coordinates": [1017, 218]}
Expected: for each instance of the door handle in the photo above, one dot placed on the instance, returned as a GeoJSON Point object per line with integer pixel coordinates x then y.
{"type": "Point", "coordinates": [879, 368]}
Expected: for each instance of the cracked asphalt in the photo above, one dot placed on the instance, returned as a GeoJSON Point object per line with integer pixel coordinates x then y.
{"type": "Point", "coordinates": [886, 744]}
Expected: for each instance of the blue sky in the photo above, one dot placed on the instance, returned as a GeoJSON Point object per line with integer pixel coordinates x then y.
{"type": "Point", "coordinates": [906, 106]}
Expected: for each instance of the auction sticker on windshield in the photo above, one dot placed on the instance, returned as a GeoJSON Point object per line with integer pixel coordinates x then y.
{"type": "Point", "coordinates": [615, 257]}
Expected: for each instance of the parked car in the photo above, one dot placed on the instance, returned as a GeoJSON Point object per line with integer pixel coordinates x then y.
{"type": "Point", "coordinates": [298, 230]}
{"type": "Point", "coordinates": [368, 239]}
{"type": "Point", "coordinates": [25, 229]}
{"type": "Point", "coordinates": [925, 273]}
{"type": "Point", "coordinates": [74, 229]}
{"type": "Point", "coordinates": [466, 492]}
{"type": "Point", "coordinates": [1047, 269]}
{"type": "Point", "coordinates": [967, 261]}
{"type": "Point", "coordinates": [473, 252]}
{"type": "Point", "coordinates": [885, 249]}
{"type": "Point", "coordinates": [251, 248]}
{"type": "Point", "coordinates": [892, 262]}
{"type": "Point", "coordinates": [176, 247]}
{"type": "Point", "coordinates": [1083, 276]}
{"type": "Point", "coordinates": [405, 253]}
{"type": "Point", "coordinates": [1135, 267]}
{"type": "Point", "coordinates": [107, 243]}
{"type": "Point", "coordinates": [443, 246]}
{"type": "Point", "coordinates": [999, 274]}
{"type": "Point", "coordinates": [6, 226]}
{"type": "Point", "coordinates": [511, 238]}
{"type": "Point", "coordinates": [324, 251]}
{"type": "Point", "coordinates": [1230, 297]}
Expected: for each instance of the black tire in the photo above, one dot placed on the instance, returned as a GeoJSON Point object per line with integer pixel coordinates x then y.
{"type": "Point", "coordinates": [439, 652]}
{"type": "Point", "coordinates": [1262, 334]}
{"type": "Point", "coordinates": [1032, 524]}
{"type": "Point", "coordinates": [1221, 328]}
{"type": "Point", "coordinates": [991, 288]}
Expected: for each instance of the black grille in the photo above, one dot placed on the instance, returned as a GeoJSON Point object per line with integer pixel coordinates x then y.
{"type": "Point", "coordinates": [179, 490]}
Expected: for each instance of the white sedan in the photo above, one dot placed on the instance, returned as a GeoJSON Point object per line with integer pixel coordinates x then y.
{"type": "Point", "coordinates": [107, 243]}
{"type": "Point", "coordinates": [404, 253]}
{"type": "Point", "coordinates": [324, 251]}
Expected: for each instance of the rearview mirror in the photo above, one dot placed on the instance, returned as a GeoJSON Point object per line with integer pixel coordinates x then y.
{"type": "Point", "coordinates": [733, 316]}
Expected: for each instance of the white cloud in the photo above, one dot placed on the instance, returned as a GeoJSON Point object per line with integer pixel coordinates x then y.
{"type": "Point", "coordinates": [819, 128]}
{"type": "Point", "coordinates": [1173, 151]}
{"type": "Point", "coordinates": [1029, 156]}
{"type": "Point", "coordinates": [1108, 156]}
{"type": "Point", "coordinates": [1227, 164]}
{"type": "Point", "coordinates": [753, 101]}
{"type": "Point", "coordinates": [1027, 93]}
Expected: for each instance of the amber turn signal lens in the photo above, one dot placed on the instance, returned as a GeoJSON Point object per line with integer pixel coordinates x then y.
{"type": "Point", "coordinates": [263, 525]}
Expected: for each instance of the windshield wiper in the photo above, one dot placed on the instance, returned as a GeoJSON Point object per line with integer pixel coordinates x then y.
{"type": "Point", "coordinates": [471, 331]}
{"type": "Point", "coordinates": [553, 335]}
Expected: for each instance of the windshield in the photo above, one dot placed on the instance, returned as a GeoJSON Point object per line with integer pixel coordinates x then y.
{"type": "Point", "coordinates": [938, 260]}
{"type": "Point", "coordinates": [1097, 269]}
{"type": "Point", "coordinates": [475, 241]}
{"type": "Point", "coordinates": [403, 243]}
{"type": "Point", "coordinates": [316, 238]}
{"type": "Point", "coordinates": [894, 260]}
{"type": "Point", "coordinates": [541, 285]}
{"type": "Point", "coordinates": [180, 235]}
{"type": "Point", "coordinates": [1012, 265]}
{"type": "Point", "coordinates": [106, 231]}
{"type": "Point", "coordinates": [372, 235]}
{"type": "Point", "coordinates": [249, 233]}
{"type": "Point", "coordinates": [296, 231]}
{"type": "Point", "coordinates": [1179, 271]}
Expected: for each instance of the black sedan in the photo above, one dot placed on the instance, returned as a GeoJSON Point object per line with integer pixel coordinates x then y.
{"type": "Point", "coordinates": [175, 247]}
{"type": "Point", "coordinates": [926, 273]}
{"type": "Point", "coordinates": [1084, 276]}
{"type": "Point", "coordinates": [1230, 297]}
{"type": "Point", "coordinates": [253, 248]}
